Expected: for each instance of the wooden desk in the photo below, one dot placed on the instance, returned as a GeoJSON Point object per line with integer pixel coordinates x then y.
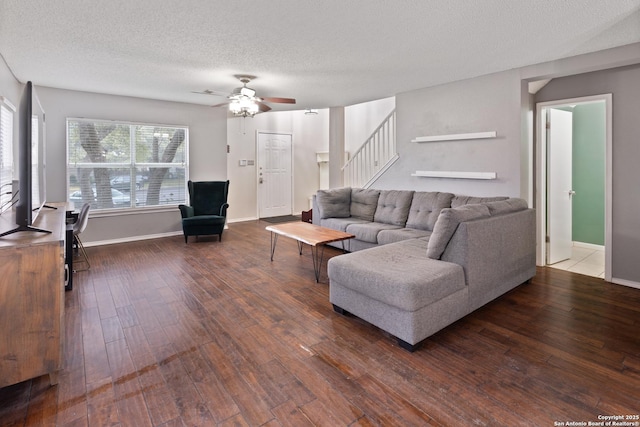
{"type": "Point", "coordinates": [32, 299]}
{"type": "Point", "coordinates": [311, 234]}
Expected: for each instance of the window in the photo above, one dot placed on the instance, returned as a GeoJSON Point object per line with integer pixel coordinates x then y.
{"type": "Point", "coordinates": [6, 153]}
{"type": "Point", "coordinates": [115, 165]}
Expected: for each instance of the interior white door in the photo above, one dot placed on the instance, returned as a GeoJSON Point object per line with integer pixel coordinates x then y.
{"type": "Point", "coordinates": [559, 184]}
{"type": "Point", "coordinates": [274, 174]}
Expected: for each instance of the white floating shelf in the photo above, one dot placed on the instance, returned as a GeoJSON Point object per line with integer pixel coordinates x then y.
{"type": "Point", "coordinates": [456, 175]}
{"type": "Point", "coordinates": [455, 137]}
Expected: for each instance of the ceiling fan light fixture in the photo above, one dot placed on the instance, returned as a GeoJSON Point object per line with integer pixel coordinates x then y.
{"type": "Point", "coordinates": [244, 107]}
{"type": "Point", "coordinates": [247, 91]}
{"type": "Point", "coordinates": [243, 102]}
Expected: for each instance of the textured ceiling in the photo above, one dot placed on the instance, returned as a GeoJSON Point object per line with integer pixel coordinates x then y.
{"type": "Point", "coordinates": [323, 53]}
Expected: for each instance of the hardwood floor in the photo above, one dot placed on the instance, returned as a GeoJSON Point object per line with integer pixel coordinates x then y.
{"type": "Point", "coordinates": [159, 333]}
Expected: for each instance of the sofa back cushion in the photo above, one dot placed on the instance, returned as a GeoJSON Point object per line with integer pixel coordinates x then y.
{"type": "Point", "coordinates": [393, 207]}
{"type": "Point", "coordinates": [425, 208]}
{"type": "Point", "coordinates": [448, 222]}
{"type": "Point", "coordinates": [364, 202]}
{"type": "Point", "coordinates": [507, 206]}
{"type": "Point", "coordinates": [334, 203]}
{"type": "Point", "coordinates": [458, 200]}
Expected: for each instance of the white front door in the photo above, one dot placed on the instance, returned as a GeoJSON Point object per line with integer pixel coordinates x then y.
{"type": "Point", "coordinates": [274, 174]}
{"type": "Point", "coordinates": [559, 184]}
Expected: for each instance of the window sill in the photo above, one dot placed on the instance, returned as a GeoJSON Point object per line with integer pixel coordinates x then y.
{"type": "Point", "coordinates": [104, 213]}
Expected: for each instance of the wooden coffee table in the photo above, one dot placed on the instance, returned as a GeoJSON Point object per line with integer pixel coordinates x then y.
{"type": "Point", "coordinates": [313, 235]}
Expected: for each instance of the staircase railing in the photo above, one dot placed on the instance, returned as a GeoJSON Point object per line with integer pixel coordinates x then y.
{"type": "Point", "coordinates": [374, 157]}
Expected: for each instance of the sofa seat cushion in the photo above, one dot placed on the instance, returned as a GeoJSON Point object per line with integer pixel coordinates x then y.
{"type": "Point", "coordinates": [425, 208]}
{"type": "Point", "coordinates": [341, 224]}
{"type": "Point", "coordinates": [334, 203]}
{"type": "Point", "coordinates": [398, 275]}
{"type": "Point", "coordinates": [391, 236]}
{"type": "Point", "coordinates": [203, 220]}
{"type": "Point", "coordinates": [368, 231]}
{"type": "Point", "coordinates": [364, 202]}
{"type": "Point", "coordinates": [393, 207]}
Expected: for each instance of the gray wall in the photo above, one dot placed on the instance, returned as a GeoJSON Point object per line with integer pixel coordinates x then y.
{"type": "Point", "coordinates": [502, 103]}
{"type": "Point", "coordinates": [207, 146]}
{"type": "Point", "coordinates": [487, 103]}
{"type": "Point", "coordinates": [623, 83]}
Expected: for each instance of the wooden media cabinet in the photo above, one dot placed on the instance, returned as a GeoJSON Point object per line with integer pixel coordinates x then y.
{"type": "Point", "coordinates": [32, 279]}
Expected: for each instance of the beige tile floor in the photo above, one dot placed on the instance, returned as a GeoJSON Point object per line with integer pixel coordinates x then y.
{"type": "Point", "coordinates": [587, 261]}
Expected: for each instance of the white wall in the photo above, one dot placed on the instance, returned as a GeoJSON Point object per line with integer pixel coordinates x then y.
{"type": "Point", "coordinates": [207, 146]}
{"type": "Point", "coordinates": [360, 120]}
{"type": "Point", "coordinates": [310, 135]}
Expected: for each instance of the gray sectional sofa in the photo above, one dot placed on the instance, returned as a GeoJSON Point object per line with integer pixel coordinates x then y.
{"type": "Point", "coordinates": [422, 260]}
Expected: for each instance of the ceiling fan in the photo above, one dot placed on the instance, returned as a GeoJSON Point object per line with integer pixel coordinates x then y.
{"type": "Point", "coordinates": [243, 101]}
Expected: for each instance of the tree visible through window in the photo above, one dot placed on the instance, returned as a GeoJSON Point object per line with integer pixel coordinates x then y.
{"type": "Point", "coordinates": [123, 165]}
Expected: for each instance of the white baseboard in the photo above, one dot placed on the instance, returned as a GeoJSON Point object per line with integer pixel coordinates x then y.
{"type": "Point", "coordinates": [147, 237]}
{"type": "Point", "coordinates": [253, 218]}
{"type": "Point", "coordinates": [588, 246]}
{"type": "Point", "coordinates": [624, 282]}
{"type": "Point", "coordinates": [132, 239]}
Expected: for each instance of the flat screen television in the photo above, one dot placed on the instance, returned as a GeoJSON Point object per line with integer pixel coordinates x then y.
{"type": "Point", "coordinates": [31, 162]}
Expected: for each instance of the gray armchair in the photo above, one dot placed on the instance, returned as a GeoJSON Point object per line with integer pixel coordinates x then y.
{"type": "Point", "coordinates": [207, 212]}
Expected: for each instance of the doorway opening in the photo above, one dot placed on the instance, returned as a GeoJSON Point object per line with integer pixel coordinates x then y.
{"type": "Point", "coordinates": [573, 158]}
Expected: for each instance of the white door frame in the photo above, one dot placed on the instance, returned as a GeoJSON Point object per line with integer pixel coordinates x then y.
{"type": "Point", "coordinates": [541, 176]}
{"type": "Point", "coordinates": [258, 160]}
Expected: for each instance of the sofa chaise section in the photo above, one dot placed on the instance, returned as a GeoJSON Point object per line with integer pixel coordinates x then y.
{"type": "Point", "coordinates": [398, 289]}
{"type": "Point", "coordinates": [415, 287]}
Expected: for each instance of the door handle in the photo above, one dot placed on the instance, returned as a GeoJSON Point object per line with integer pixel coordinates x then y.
{"type": "Point", "coordinates": [571, 193]}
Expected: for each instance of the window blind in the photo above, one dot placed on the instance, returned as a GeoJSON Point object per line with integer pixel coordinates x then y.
{"type": "Point", "coordinates": [119, 165]}
{"type": "Point", "coordinates": [6, 156]}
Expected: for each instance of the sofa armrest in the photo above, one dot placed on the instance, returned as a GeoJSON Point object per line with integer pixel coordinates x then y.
{"type": "Point", "coordinates": [496, 253]}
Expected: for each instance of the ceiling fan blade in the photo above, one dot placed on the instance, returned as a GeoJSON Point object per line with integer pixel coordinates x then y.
{"type": "Point", "coordinates": [220, 105]}
{"type": "Point", "coordinates": [280, 100]}
{"type": "Point", "coordinates": [210, 92]}
{"type": "Point", "coordinates": [263, 107]}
